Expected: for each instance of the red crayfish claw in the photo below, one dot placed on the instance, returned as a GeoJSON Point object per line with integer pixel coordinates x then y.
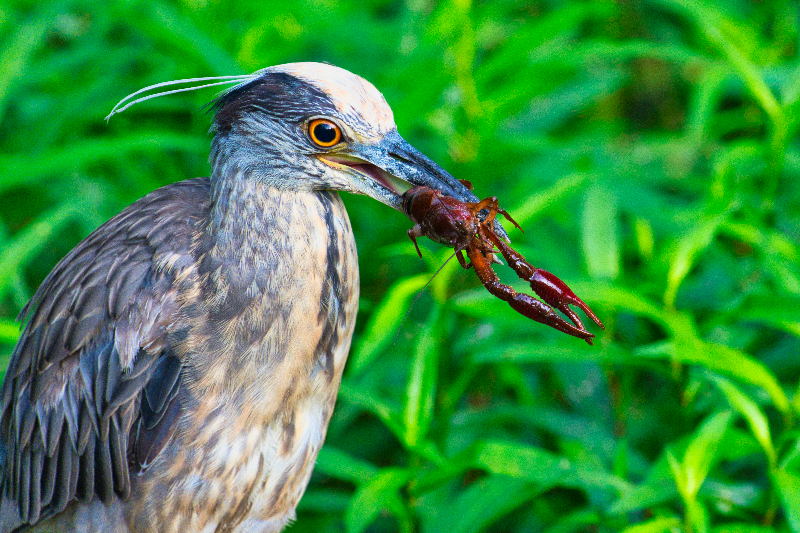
{"type": "Point", "coordinates": [547, 286]}
{"type": "Point", "coordinates": [454, 223]}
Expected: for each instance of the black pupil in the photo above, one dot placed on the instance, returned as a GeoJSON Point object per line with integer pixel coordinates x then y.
{"type": "Point", "coordinates": [325, 133]}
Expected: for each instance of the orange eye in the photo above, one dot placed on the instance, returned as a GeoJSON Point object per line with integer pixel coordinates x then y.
{"type": "Point", "coordinates": [324, 133]}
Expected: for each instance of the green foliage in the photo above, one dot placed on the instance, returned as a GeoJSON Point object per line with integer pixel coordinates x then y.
{"type": "Point", "coordinates": [649, 150]}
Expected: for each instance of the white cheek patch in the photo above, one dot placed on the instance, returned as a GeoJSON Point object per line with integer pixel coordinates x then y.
{"type": "Point", "coordinates": [352, 95]}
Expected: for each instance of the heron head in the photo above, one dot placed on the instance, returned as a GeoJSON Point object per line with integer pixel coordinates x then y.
{"type": "Point", "coordinates": [317, 126]}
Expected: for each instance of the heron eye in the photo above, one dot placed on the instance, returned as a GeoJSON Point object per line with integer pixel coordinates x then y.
{"type": "Point", "coordinates": [324, 132]}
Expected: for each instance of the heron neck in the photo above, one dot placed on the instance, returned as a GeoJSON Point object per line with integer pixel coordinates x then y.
{"type": "Point", "coordinates": [279, 285]}
{"type": "Point", "coordinates": [242, 210]}
{"type": "Point", "coordinates": [233, 159]}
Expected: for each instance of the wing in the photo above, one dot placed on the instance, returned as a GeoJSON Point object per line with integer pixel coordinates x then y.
{"type": "Point", "coordinates": [92, 388]}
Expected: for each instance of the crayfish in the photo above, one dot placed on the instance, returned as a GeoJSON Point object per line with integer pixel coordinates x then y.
{"type": "Point", "coordinates": [457, 224]}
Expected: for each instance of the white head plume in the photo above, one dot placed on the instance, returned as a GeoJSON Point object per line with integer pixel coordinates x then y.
{"type": "Point", "coordinates": [218, 80]}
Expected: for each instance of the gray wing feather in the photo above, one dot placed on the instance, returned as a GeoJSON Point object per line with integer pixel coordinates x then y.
{"type": "Point", "coordinates": [97, 345]}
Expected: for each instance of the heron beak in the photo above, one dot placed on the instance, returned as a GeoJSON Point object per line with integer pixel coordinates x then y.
{"type": "Point", "coordinates": [385, 170]}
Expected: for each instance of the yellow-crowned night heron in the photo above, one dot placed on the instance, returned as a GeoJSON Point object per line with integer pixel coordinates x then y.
{"type": "Point", "coordinates": [179, 367]}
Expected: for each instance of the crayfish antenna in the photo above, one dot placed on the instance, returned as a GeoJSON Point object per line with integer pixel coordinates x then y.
{"type": "Point", "coordinates": [423, 289]}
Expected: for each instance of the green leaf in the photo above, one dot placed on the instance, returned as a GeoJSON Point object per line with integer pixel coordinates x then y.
{"type": "Point", "coordinates": [701, 452]}
{"type": "Point", "coordinates": [482, 504]}
{"type": "Point", "coordinates": [705, 99]}
{"type": "Point", "coordinates": [373, 497]}
{"type": "Point", "coordinates": [656, 525]}
{"type": "Point", "coordinates": [541, 467]}
{"type": "Point", "coordinates": [658, 487]}
{"type": "Point", "coordinates": [524, 462]}
{"type": "Point", "coordinates": [9, 331]}
{"type": "Point", "coordinates": [743, 528]}
{"type": "Point", "coordinates": [645, 241]}
{"type": "Point", "coordinates": [731, 39]}
{"type": "Point", "coordinates": [581, 520]}
{"type": "Point", "coordinates": [17, 53]}
{"type": "Point", "coordinates": [24, 246]}
{"type": "Point", "coordinates": [697, 516]}
{"type": "Point", "coordinates": [686, 250]}
{"type": "Point", "coordinates": [341, 465]}
{"type": "Point", "coordinates": [560, 351]}
{"type": "Point", "coordinates": [679, 474]}
{"type": "Point", "coordinates": [756, 419]}
{"type": "Point", "coordinates": [421, 387]}
{"type": "Point", "coordinates": [535, 204]}
{"type": "Point", "coordinates": [600, 234]}
{"type": "Point", "coordinates": [781, 311]}
{"type": "Point", "coordinates": [789, 486]}
{"type": "Point", "coordinates": [18, 170]}
{"type": "Point", "coordinates": [324, 501]}
{"type": "Point", "coordinates": [733, 363]}
{"type": "Point", "coordinates": [387, 413]}
{"type": "Point", "coordinates": [385, 321]}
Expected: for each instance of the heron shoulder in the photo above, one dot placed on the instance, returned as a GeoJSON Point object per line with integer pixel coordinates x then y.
{"type": "Point", "coordinates": [97, 329]}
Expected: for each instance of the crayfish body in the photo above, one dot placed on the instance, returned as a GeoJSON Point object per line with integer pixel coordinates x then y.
{"type": "Point", "coordinates": [454, 223]}
{"type": "Point", "coordinates": [441, 218]}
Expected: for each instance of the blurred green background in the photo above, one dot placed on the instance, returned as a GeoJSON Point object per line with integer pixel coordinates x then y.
{"type": "Point", "coordinates": [647, 147]}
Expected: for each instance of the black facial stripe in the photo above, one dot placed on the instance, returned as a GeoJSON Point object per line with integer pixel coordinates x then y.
{"type": "Point", "coordinates": [277, 94]}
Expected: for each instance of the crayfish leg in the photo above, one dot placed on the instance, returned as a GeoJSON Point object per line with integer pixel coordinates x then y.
{"type": "Point", "coordinates": [508, 217]}
{"type": "Point", "coordinates": [461, 261]}
{"type": "Point", "coordinates": [521, 267]}
{"type": "Point", "coordinates": [489, 204]}
{"type": "Point", "coordinates": [412, 234]}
